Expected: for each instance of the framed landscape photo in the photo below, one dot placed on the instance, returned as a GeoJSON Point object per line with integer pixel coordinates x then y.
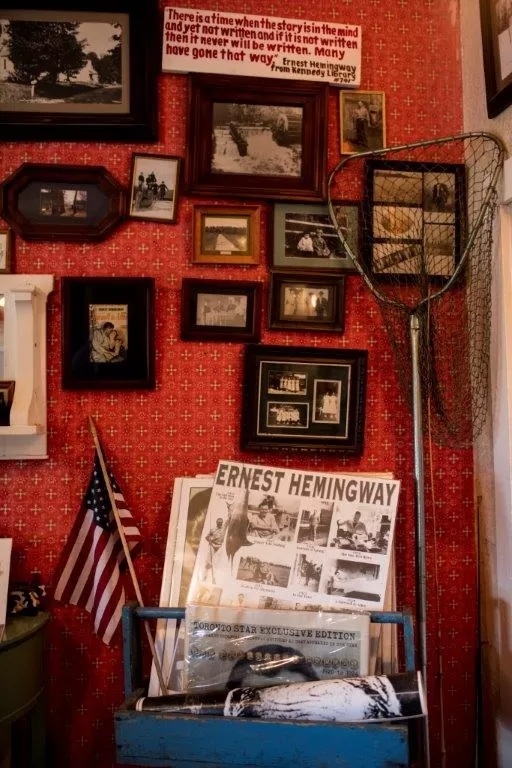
{"type": "Point", "coordinates": [220, 310]}
{"type": "Point", "coordinates": [5, 250]}
{"type": "Point", "coordinates": [310, 301]}
{"type": "Point", "coordinates": [304, 398]}
{"type": "Point", "coordinates": [415, 214]}
{"type": "Point", "coordinates": [256, 137]}
{"type": "Point", "coordinates": [496, 22]}
{"type": "Point", "coordinates": [362, 121]}
{"type": "Point", "coordinates": [108, 333]}
{"type": "Point", "coordinates": [62, 202]}
{"type": "Point", "coordinates": [226, 235]}
{"type": "Point", "coordinates": [154, 188]}
{"type": "Point", "coordinates": [304, 236]}
{"type": "Point", "coordinates": [81, 73]}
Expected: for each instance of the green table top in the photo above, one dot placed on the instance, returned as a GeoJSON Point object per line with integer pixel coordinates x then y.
{"type": "Point", "coordinates": [21, 627]}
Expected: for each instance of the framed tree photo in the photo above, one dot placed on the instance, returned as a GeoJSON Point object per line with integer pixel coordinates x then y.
{"type": "Point", "coordinates": [256, 137]}
{"type": "Point", "coordinates": [303, 398]}
{"type": "Point", "coordinates": [220, 310]}
{"type": "Point", "coordinates": [496, 22]}
{"type": "Point", "coordinates": [226, 235]}
{"type": "Point", "coordinates": [108, 333]}
{"type": "Point", "coordinates": [85, 73]}
{"type": "Point", "coordinates": [308, 301]}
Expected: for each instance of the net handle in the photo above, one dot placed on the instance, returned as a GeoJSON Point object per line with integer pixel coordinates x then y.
{"type": "Point", "coordinates": [474, 230]}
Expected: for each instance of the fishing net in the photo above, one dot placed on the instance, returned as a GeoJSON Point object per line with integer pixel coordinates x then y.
{"type": "Point", "coordinates": [425, 250]}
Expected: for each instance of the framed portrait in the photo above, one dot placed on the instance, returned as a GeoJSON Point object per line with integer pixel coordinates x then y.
{"type": "Point", "coordinates": [362, 121]}
{"type": "Point", "coordinates": [310, 301]}
{"type": "Point", "coordinates": [496, 22]}
{"type": "Point", "coordinates": [81, 73]}
{"type": "Point", "coordinates": [226, 235]}
{"type": "Point", "coordinates": [415, 216]}
{"type": "Point", "coordinates": [304, 236]}
{"type": "Point", "coordinates": [304, 398]}
{"type": "Point", "coordinates": [62, 202]}
{"type": "Point", "coordinates": [6, 398]}
{"type": "Point", "coordinates": [220, 310]}
{"type": "Point", "coordinates": [108, 333]}
{"type": "Point", "coordinates": [5, 250]}
{"type": "Point", "coordinates": [257, 137]}
{"type": "Point", "coordinates": [154, 184]}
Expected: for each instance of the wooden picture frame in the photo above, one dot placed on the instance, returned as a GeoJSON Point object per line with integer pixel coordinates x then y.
{"type": "Point", "coordinates": [108, 91]}
{"type": "Point", "coordinates": [220, 310]}
{"type": "Point", "coordinates": [362, 121]}
{"type": "Point", "coordinates": [154, 188]}
{"type": "Point", "coordinates": [256, 137]}
{"type": "Point", "coordinates": [108, 333]}
{"type": "Point", "coordinates": [291, 222]}
{"type": "Point", "coordinates": [306, 301]}
{"type": "Point", "coordinates": [496, 24]}
{"type": "Point", "coordinates": [303, 398]}
{"type": "Point", "coordinates": [226, 234]}
{"type": "Point", "coordinates": [62, 202]}
{"type": "Point", "coordinates": [6, 260]}
{"type": "Point", "coordinates": [415, 218]}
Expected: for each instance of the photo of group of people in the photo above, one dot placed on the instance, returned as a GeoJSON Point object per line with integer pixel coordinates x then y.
{"type": "Point", "coordinates": [311, 235]}
{"type": "Point", "coordinates": [300, 302]}
{"type": "Point", "coordinates": [288, 415]}
{"type": "Point", "coordinates": [221, 310]}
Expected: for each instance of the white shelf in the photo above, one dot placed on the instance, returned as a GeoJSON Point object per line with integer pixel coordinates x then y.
{"type": "Point", "coordinates": [30, 429]}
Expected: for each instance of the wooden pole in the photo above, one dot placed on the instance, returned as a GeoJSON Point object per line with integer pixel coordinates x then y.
{"type": "Point", "coordinates": [94, 433]}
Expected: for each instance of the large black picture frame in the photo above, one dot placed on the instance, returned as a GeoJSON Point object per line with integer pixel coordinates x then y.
{"type": "Point", "coordinates": [89, 304]}
{"type": "Point", "coordinates": [137, 120]}
{"type": "Point", "coordinates": [304, 398]}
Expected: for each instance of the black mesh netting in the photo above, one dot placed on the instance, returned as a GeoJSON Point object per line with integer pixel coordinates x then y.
{"type": "Point", "coordinates": [426, 249]}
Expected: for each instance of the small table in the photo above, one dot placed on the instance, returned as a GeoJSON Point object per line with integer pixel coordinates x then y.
{"type": "Point", "coordinates": [22, 686]}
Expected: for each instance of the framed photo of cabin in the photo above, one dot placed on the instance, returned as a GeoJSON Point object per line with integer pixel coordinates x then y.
{"type": "Point", "coordinates": [62, 202]}
{"type": "Point", "coordinates": [303, 236]}
{"type": "Point", "coordinates": [306, 301]}
{"type": "Point", "coordinates": [5, 250]}
{"type": "Point", "coordinates": [85, 72]}
{"type": "Point", "coordinates": [220, 310]}
{"type": "Point", "coordinates": [108, 333]}
{"type": "Point", "coordinates": [303, 398]}
{"type": "Point", "coordinates": [226, 235]}
{"type": "Point", "coordinates": [154, 184]}
{"type": "Point", "coordinates": [362, 121]}
{"type": "Point", "coordinates": [256, 137]}
{"type": "Point", "coordinates": [496, 23]}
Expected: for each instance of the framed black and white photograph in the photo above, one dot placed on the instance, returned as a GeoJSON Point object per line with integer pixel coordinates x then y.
{"type": "Point", "coordinates": [256, 137]}
{"type": "Point", "coordinates": [85, 73]}
{"type": "Point", "coordinates": [362, 121]}
{"type": "Point", "coordinates": [304, 236]}
{"type": "Point", "coordinates": [5, 250]}
{"type": "Point", "coordinates": [108, 333]}
{"type": "Point", "coordinates": [303, 398]}
{"type": "Point", "coordinates": [496, 22]}
{"type": "Point", "coordinates": [220, 310]}
{"type": "Point", "coordinates": [313, 301]}
{"type": "Point", "coordinates": [226, 234]}
{"type": "Point", "coordinates": [415, 217]}
{"type": "Point", "coordinates": [62, 202]}
{"type": "Point", "coordinates": [154, 185]}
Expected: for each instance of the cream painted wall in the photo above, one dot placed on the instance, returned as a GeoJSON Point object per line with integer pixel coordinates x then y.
{"type": "Point", "coordinates": [493, 457]}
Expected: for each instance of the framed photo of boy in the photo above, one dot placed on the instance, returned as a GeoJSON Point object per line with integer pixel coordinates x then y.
{"type": "Point", "coordinates": [256, 137]}
{"type": "Point", "coordinates": [5, 250]}
{"type": "Point", "coordinates": [154, 184]}
{"type": "Point", "coordinates": [303, 398]}
{"type": "Point", "coordinates": [308, 301]}
{"type": "Point", "coordinates": [226, 235]}
{"type": "Point", "coordinates": [362, 121]}
{"type": "Point", "coordinates": [496, 22]}
{"type": "Point", "coordinates": [220, 310]}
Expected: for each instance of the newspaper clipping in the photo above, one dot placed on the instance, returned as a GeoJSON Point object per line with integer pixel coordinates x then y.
{"type": "Point", "coordinates": [282, 538]}
{"type": "Point", "coordinates": [228, 648]}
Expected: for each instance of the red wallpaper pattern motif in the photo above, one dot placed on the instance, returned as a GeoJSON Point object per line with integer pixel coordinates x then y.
{"type": "Point", "coordinates": [410, 51]}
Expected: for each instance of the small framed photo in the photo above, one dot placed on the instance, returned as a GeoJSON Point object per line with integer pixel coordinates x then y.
{"type": "Point", "coordinates": [108, 333]}
{"type": "Point", "coordinates": [257, 137]}
{"type": "Point", "coordinates": [154, 184]}
{"type": "Point", "coordinates": [5, 250]}
{"type": "Point", "coordinates": [304, 398]}
{"type": "Point", "coordinates": [6, 398]}
{"type": "Point", "coordinates": [415, 216]}
{"type": "Point", "coordinates": [304, 236]}
{"type": "Point", "coordinates": [311, 301]}
{"type": "Point", "coordinates": [226, 235]}
{"type": "Point", "coordinates": [362, 121]}
{"type": "Point", "coordinates": [220, 310]}
{"type": "Point", "coordinates": [62, 202]}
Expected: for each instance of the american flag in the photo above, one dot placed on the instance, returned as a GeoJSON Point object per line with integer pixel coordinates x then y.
{"type": "Point", "coordinates": [89, 572]}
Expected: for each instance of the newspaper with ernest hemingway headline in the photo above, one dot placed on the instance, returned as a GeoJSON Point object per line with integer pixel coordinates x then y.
{"type": "Point", "coordinates": [231, 647]}
{"type": "Point", "coordinates": [285, 538]}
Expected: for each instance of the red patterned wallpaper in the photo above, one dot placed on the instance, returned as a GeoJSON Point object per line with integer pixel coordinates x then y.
{"type": "Point", "coordinates": [410, 51]}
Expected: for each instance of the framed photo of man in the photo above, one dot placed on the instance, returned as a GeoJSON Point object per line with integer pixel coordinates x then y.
{"type": "Point", "coordinates": [362, 121]}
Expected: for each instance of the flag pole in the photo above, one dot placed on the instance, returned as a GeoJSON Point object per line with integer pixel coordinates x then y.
{"type": "Point", "coordinates": [158, 668]}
